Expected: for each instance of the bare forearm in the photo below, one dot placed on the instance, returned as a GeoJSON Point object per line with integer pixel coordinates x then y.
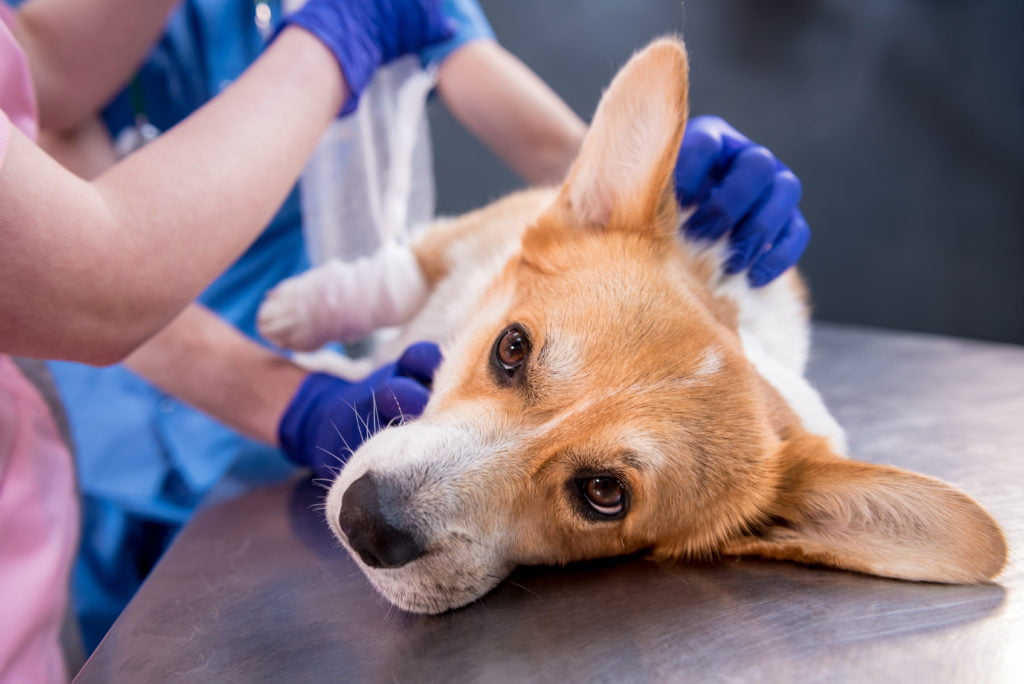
{"type": "Point", "coordinates": [135, 246]}
{"type": "Point", "coordinates": [208, 364]}
{"type": "Point", "coordinates": [81, 53]}
{"type": "Point", "coordinates": [208, 186]}
{"type": "Point", "coordinates": [508, 107]}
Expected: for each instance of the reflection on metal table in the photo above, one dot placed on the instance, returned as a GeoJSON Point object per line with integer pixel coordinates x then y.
{"type": "Point", "coordinates": [256, 589]}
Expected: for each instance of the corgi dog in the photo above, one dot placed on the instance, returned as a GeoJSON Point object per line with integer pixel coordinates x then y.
{"type": "Point", "coordinates": [606, 390]}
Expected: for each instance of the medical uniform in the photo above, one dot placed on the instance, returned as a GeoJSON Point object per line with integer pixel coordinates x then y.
{"type": "Point", "coordinates": [145, 459]}
{"type": "Point", "coordinates": [38, 502]}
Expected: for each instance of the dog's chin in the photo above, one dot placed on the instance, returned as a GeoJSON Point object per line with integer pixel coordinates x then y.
{"type": "Point", "coordinates": [435, 583]}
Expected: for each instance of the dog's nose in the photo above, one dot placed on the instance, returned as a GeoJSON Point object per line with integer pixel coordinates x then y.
{"type": "Point", "coordinates": [369, 518]}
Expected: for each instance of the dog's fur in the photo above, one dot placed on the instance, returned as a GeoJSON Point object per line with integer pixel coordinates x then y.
{"type": "Point", "coordinates": [646, 366]}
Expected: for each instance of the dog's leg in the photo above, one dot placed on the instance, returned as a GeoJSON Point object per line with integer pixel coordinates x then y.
{"type": "Point", "coordinates": [344, 301]}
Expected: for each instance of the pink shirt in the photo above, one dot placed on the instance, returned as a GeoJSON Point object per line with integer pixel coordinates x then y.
{"type": "Point", "coordinates": [38, 500]}
{"type": "Point", "coordinates": [38, 532]}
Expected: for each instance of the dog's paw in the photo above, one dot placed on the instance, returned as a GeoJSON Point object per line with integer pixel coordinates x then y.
{"type": "Point", "coordinates": [284, 317]}
{"type": "Point", "coordinates": [343, 301]}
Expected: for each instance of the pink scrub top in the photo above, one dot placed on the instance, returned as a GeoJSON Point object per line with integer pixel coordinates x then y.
{"type": "Point", "coordinates": [38, 499]}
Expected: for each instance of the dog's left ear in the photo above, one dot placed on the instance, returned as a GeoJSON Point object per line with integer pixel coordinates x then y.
{"type": "Point", "coordinates": [622, 178]}
{"type": "Point", "coordinates": [875, 519]}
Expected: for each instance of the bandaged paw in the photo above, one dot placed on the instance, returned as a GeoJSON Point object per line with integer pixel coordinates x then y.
{"type": "Point", "coordinates": [344, 301]}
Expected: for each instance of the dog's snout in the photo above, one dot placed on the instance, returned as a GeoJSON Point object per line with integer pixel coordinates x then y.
{"type": "Point", "coordinates": [369, 518]}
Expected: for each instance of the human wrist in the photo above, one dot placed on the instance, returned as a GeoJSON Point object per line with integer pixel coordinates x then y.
{"type": "Point", "coordinates": [362, 35]}
{"type": "Point", "coordinates": [307, 53]}
{"type": "Point", "coordinates": [300, 412]}
{"type": "Point", "coordinates": [341, 36]}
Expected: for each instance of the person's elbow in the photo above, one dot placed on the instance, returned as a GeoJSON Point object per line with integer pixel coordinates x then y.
{"type": "Point", "coordinates": [106, 355]}
{"type": "Point", "coordinates": [95, 351]}
{"type": "Point", "coordinates": [97, 339]}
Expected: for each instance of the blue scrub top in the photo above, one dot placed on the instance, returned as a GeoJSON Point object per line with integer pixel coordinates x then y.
{"type": "Point", "coordinates": [136, 446]}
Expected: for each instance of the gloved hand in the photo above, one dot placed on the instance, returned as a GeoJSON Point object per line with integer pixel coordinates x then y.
{"type": "Point", "coordinates": [364, 34]}
{"type": "Point", "coordinates": [470, 24]}
{"type": "Point", "coordinates": [740, 189]}
{"type": "Point", "coordinates": [328, 418]}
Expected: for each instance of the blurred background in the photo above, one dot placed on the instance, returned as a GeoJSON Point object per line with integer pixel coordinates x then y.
{"type": "Point", "coordinates": [904, 120]}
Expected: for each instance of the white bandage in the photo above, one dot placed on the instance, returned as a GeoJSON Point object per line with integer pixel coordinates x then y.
{"type": "Point", "coordinates": [344, 301]}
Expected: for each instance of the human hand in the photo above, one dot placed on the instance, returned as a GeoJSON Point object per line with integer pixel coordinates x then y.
{"type": "Point", "coordinates": [470, 24]}
{"type": "Point", "coordinates": [328, 418]}
{"type": "Point", "coordinates": [364, 34]}
{"type": "Point", "coordinates": [741, 190]}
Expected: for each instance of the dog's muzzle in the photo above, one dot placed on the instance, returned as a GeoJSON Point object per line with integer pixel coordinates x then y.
{"type": "Point", "coordinates": [371, 519]}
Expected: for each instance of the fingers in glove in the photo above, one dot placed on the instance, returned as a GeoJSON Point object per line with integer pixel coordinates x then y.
{"type": "Point", "coordinates": [783, 254]}
{"type": "Point", "coordinates": [399, 399]}
{"type": "Point", "coordinates": [698, 154]}
{"type": "Point", "coordinates": [750, 175]}
{"type": "Point", "coordinates": [763, 226]}
{"type": "Point", "coordinates": [419, 361]}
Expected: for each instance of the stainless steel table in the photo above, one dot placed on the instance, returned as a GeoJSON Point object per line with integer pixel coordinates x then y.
{"type": "Point", "coordinates": [255, 589]}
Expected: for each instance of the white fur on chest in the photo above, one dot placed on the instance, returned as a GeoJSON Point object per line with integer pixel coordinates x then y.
{"type": "Point", "coordinates": [775, 334]}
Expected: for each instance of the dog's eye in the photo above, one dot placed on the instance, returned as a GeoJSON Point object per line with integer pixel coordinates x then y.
{"type": "Point", "coordinates": [606, 495]}
{"type": "Point", "coordinates": [512, 348]}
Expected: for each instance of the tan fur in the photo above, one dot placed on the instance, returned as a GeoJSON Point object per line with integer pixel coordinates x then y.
{"type": "Point", "coordinates": [637, 371]}
{"type": "Point", "coordinates": [498, 222]}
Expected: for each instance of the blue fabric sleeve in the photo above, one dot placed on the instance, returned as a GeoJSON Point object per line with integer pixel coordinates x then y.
{"type": "Point", "coordinates": [470, 24]}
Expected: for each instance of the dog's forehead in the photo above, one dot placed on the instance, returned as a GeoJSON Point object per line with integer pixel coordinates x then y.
{"type": "Point", "coordinates": [659, 352]}
{"type": "Point", "coordinates": [616, 339]}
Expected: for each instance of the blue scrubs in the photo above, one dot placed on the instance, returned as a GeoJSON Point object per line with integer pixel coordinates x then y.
{"type": "Point", "coordinates": [145, 459]}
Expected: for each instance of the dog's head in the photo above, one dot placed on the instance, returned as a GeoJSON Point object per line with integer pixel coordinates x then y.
{"type": "Point", "coordinates": [600, 404]}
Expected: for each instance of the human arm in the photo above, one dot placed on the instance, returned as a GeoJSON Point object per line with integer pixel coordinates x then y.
{"type": "Point", "coordinates": [90, 277]}
{"type": "Point", "coordinates": [510, 109]}
{"type": "Point", "coordinates": [93, 275]}
{"type": "Point", "coordinates": [207, 363]}
{"type": "Point", "coordinates": [501, 101]}
{"type": "Point", "coordinates": [315, 418]}
{"type": "Point", "coordinates": [75, 73]}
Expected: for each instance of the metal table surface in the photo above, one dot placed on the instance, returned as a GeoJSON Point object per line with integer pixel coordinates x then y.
{"type": "Point", "coordinates": [255, 588]}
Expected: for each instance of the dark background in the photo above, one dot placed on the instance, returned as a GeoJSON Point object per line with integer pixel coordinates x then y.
{"type": "Point", "coordinates": [904, 120]}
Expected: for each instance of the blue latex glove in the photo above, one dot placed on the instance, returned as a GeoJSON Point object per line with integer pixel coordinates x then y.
{"type": "Point", "coordinates": [328, 418]}
{"type": "Point", "coordinates": [364, 34]}
{"type": "Point", "coordinates": [470, 24]}
{"type": "Point", "coordinates": [740, 189]}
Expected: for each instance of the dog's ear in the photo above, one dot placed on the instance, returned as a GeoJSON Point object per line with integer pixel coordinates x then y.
{"type": "Point", "coordinates": [622, 177]}
{"type": "Point", "coordinates": [874, 519]}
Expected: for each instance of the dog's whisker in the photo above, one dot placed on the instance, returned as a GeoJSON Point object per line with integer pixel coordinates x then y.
{"type": "Point", "coordinates": [344, 442]}
{"type": "Point", "coordinates": [507, 580]}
